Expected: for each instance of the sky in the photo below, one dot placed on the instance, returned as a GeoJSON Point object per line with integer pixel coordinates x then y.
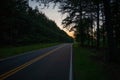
{"type": "Point", "coordinates": [53, 14]}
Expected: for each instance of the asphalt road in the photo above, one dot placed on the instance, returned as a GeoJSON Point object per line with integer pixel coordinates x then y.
{"type": "Point", "coordinates": [53, 63]}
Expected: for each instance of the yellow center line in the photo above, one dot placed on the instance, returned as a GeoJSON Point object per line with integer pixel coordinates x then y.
{"type": "Point", "coordinates": [13, 71]}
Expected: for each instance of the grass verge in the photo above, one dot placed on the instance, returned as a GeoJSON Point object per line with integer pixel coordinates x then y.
{"type": "Point", "coordinates": [10, 51]}
{"type": "Point", "coordinates": [84, 67]}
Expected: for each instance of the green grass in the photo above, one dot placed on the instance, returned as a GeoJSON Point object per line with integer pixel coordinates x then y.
{"type": "Point", "coordinates": [84, 67]}
{"type": "Point", "coordinates": [10, 51]}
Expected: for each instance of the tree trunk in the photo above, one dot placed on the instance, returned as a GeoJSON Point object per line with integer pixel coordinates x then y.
{"type": "Point", "coordinates": [98, 29]}
{"type": "Point", "coordinates": [109, 28]}
{"type": "Point", "coordinates": [81, 27]}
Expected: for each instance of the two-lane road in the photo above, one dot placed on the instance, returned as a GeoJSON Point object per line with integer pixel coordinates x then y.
{"type": "Point", "coordinates": [54, 63]}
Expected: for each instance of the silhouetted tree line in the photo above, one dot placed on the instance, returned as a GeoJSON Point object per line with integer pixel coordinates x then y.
{"type": "Point", "coordinates": [96, 23]}
{"type": "Point", "coordinates": [20, 24]}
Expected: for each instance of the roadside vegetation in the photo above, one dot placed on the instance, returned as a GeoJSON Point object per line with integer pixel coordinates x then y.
{"type": "Point", "coordinates": [85, 67]}
{"type": "Point", "coordinates": [23, 28]}
{"type": "Point", "coordinates": [11, 51]}
{"type": "Point", "coordinates": [22, 25]}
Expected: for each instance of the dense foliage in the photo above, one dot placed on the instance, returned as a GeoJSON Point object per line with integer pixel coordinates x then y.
{"type": "Point", "coordinates": [20, 24]}
{"type": "Point", "coordinates": [96, 22]}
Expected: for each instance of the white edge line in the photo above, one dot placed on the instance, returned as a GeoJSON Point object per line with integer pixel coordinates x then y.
{"type": "Point", "coordinates": [70, 74]}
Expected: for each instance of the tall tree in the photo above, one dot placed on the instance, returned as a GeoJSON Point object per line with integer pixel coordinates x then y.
{"type": "Point", "coordinates": [109, 29]}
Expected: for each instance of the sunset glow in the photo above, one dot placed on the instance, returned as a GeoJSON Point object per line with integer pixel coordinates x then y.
{"type": "Point", "coordinates": [53, 14]}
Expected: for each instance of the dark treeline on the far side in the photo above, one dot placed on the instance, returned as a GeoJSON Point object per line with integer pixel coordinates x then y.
{"type": "Point", "coordinates": [20, 25]}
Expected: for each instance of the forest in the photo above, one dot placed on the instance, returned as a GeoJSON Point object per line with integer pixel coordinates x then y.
{"type": "Point", "coordinates": [22, 25]}
{"type": "Point", "coordinates": [95, 22]}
